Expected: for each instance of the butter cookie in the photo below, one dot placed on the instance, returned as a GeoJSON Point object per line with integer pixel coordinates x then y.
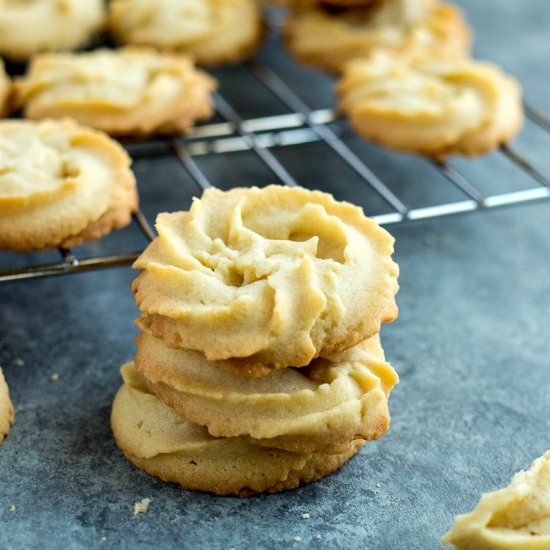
{"type": "Point", "coordinates": [5, 90]}
{"type": "Point", "coordinates": [320, 408]}
{"type": "Point", "coordinates": [61, 184]}
{"type": "Point", "coordinates": [517, 517]}
{"type": "Point", "coordinates": [157, 440]}
{"type": "Point", "coordinates": [214, 32]}
{"type": "Point", "coordinates": [129, 92]}
{"type": "Point", "coordinates": [6, 408]}
{"type": "Point", "coordinates": [326, 38]}
{"type": "Point", "coordinates": [266, 278]}
{"type": "Point", "coordinates": [34, 26]}
{"type": "Point", "coordinates": [432, 106]}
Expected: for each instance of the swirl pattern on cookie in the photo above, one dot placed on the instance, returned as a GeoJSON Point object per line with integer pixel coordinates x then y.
{"type": "Point", "coordinates": [6, 408]}
{"type": "Point", "coordinates": [212, 31]}
{"type": "Point", "coordinates": [320, 408]}
{"type": "Point", "coordinates": [34, 26]}
{"type": "Point", "coordinates": [432, 106]}
{"type": "Point", "coordinates": [122, 92]}
{"type": "Point", "coordinates": [328, 38]}
{"type": "Point", "coordinates": [266, 278]}
{"type": "Point", "coordinates": [511, 518]}
{"type": "Point", "coordinates": [60, 184]}
{"type": "Point", "coordinates": [157, 440]}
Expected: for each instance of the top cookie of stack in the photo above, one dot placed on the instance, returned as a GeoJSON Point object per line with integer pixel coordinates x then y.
{"type": "Point", "coordinates": [262, 279]}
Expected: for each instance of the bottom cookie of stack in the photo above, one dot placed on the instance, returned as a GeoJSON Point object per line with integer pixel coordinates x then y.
{"type": "Point", "coordinates": [157, 440]}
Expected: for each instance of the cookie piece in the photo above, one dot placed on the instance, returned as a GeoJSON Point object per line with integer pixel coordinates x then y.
{"type": "Point", "coordinates": [129, 92]}
{"type": "Point", "coordinates": [34, 26]}
{"type": "Point", "coordinates": [5, 90]}
{"type": "Point", "coordinates": [432, 106]}
{"type": "Point", "coordinates": [214, 32]}
{"type": "Point", "coordinates": [327, 38]}
{"type": "Point", "coordinates": [157, 440]}
{"type": "Point", "coordinates": [320, 408]}
{"type": "Point", "coordinates": [515, 517]}
{"type": "Point", "coordinates": [61, 184]}
{"type": "Point", "coordinates": [266, 278]}
{"type": "Point", "coordinates": [6, 408]}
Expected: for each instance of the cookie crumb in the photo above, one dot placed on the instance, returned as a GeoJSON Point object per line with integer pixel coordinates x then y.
{"type": "Point", "coordinates": [19, 362]}
{"type": "Point", "coordinates": [54, 377]}
{"type": "Point", "coordinates": [318, 537]}
{"type": "Point", "coordinates": [232, 548]}
{"type": "Point", "coordinates": [103, 539]}
{"type": "Point", "coordinates": [297, 539]}
{"type": "Point", "coordinates": [305, 515]}
{"type": "Point", "coordinates": [142, 506]}
{"type": "Point", "coordinates": [378, 485]}
{"type": "Point", "coordinates": [13, 508]}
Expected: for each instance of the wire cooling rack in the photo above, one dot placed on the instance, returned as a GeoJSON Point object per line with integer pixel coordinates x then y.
{"type": "Point", "coordinates": [301, 125]}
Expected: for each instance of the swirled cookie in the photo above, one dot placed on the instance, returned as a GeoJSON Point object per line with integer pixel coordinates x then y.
{"type": "Point", "coordinates": [328, 38]}
{"type": "Point", "coordinates": [157, 440]}
{"type": "Point", "coordinates": [432, 106]}
{"type": "Point", "coordinates": [320, 408]}
{"type": "Point", "coordinates": [122, 92]}
{"type": "Point", "coordinates": [266, 278]}
{"type": "Point", "coordinates": [212, 31]}
{"type": "Point", "coordinates": [6, 408]}
{"type": "Point", "coordinates": [517, 517]}
{"type": "Point", "coordinates": [32, 26]}
{"type": "Point", "coordinates": [60, 184]}
{"type": "Point", "coordinates": [5, 90]}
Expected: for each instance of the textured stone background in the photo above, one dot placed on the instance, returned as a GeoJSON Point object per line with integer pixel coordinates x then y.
{"type": "Point", "coordinates": [471, 346]}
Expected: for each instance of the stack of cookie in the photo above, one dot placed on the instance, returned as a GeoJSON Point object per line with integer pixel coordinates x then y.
{"type": "Point", "coordinates": [259, 365]}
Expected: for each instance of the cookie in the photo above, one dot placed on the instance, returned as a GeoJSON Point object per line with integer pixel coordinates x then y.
{"type": "Point", "coordinates": [61, 184]}
{"type": "Point", "coordinates": [517, 517]}
{"type": "Point", "coordinates": [6, 408]}
{"type": "Point", "coordinates": [326, 38]}
{"type": "Point", "coordinates": [5, 90]}
{"type": "Point", "coordinates": [34, 26]}
{"type": "Point", "coordinates": [128, 92]}
{"type": "Point", "coordinates": [266, 278]}
{"type": "Point", "coordinates": [214, 32]}
{"type": "Point", "coordinates": [157, 440]}
{"type": "Point", "coordinates": [328, 4]}
{"type": "Point", "coordinates": [320, 408]}
{"type": "Point", "coordinates": [431, 106]}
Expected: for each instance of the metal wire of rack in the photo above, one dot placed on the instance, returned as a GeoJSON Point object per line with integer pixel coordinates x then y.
{"type": "Point", "coordinates": [300, 126]}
